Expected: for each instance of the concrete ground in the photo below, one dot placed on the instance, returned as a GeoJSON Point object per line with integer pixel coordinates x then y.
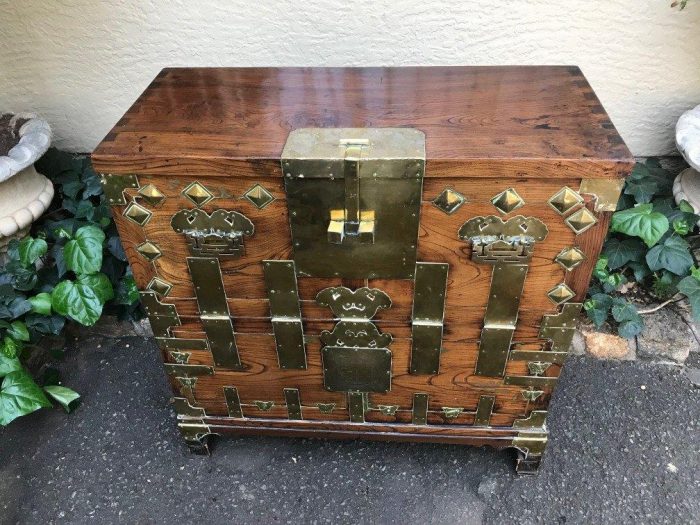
{"type": "Point", "coordinates": [624, 448]}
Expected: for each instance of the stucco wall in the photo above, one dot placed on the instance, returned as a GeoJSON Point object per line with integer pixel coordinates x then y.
{"type": "Point", "coordinates": [81, 63]}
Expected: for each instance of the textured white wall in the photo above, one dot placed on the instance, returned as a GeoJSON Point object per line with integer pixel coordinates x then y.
{"type": "Point", "coordinates": [81, 63]}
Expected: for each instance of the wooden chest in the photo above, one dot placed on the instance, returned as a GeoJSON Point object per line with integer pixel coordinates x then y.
{"type": "Point", "coordinates": [381, 253]}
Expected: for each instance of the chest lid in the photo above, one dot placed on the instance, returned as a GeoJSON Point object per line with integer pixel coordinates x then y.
{"type": "Point", "coordinates": [503, 121]}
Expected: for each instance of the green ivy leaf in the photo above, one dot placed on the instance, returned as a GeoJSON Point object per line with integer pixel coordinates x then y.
{"type": "Point", "coordinates": [45, 324]}
{"type": "Point", "coordinates": [665, 284]}
{"type": "Point", "coordinates": [597, 308]}
{"type": "Point", "coordinates": [673, 255]}
{"type": "Point", "coordinates": [690, 287]}
{"type": "Point", "coordinates": [19, 396]}
{"type": "Point", "coordinates": [625, 313]}
{"type": "Point", "coordinates": [8, 364]}
{"type": "Point", "coordinates": [67, 398]}
{"type": "Point", "coordinates": [127, 292]}
{"type": "Point", "coordinates": [695, 272]}
{"type": "Point", "coordinates": [641, 188]}
{"type": "Point", "coordinates": [641, 221]}
{"type": "Point", "coordinates": [31, 249]}
{"type": "Point", "coordinates": [682, 226]}
{"type": "Point", "coordinates": [93, 184]}
{"type": "Point", "coordinates": [24, 279]}
{"type": "Point", "coordinates": [77, 301]}
{"type": "Point", "coordinates": [99, 283]}
{"type": "Point", "coordinates": [620, 252]}
{"type": "Point", "coordinates": [18, 331]}
{"type": "Point", "coordinates": [631, 328]}
{"type": "Point", "coordinates": [685, 207]}
{"type": "Point", "coordinates": [72, 188]}
{"type": "Point", "coordinates": [83, 253]}
{"type": "Point", "coordinates": [41, 303]}
{"type": "Point", "coordinates": [640, 270]}
{"type": "Point", "coordinates": [9, 347]}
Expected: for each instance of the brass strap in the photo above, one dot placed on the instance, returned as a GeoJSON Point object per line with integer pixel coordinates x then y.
{"type": "Point", "coordinates": [427, 318]}
{"type": "Point", "coordinates": [213, 309]}
{"type": "Point", "coordinates": [501, 317]}
{"type": "Point", "coordinates": [291, 396]}
{"type": "Point", "coordinates": [233, 402]}
{"type": "Point", "coordinates": [161, 316]}
{"type": "Point", "coordinates": [356, 406]}
{"type": "Point", "coordinates": [283, 294]}
{"type": "Point", "coordinates": [420, 409]}
{"type": "Point", "coordinates": [483, 411]}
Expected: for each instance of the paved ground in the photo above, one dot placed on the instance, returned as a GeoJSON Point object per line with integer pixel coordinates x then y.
{"type": "Point", "coordinates": [624, 449]}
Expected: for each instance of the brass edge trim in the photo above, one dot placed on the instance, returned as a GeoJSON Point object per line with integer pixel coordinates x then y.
{"type": "Point", "coordinates": [429, 295]}
{"type": "Point", "coordinates": [176, 343]}
{"type": "Point", "coordinates": [530, 443]}
{"type": "Point", "coordinates": [183, 408]}
{"type": "Point", "coordinates": [114, 186]}
{"type": "Point", "coordinates": [536, 419]}
{"type": "Point", "coordinates": [529, 355]}
{"type": "Point", "coordinates": [179, 370]}
{"type": "Point", "coordinates": [161, 315]}
{"type": "Point", "coordinates": [606, 192]}
{"type": "Point", "coordinates": [536, 381]}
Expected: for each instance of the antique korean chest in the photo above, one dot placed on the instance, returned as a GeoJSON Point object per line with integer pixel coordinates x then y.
{"type": "Point", "coordinates": [381, 253]}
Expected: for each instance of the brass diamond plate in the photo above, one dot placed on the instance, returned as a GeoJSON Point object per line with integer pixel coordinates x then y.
{"type": "Point", "coordinates": [507, 201]}
{"type": "Point", "coordinates": [197, 193]}
{"type": "Point", "coordinates": [160, 286]}
{"type": "Point", "coordinates": [565, 200]}
{"type": "Point", "coordinates": [560, 294]}
{"type": "Point", "coordinates": [151, 194]}
{"type": "Point", "coordinates": [137, 213]}
{"type": "Point", "coordinates": [449, 201]}
{"type": "Point", "coordinates": [570, 258]}
{"type": "Point", "coordinates": [149, 250]}
{"type": "Point", "coordinates": [259, 196]}
{"type": "Point", "coordinates": [581, 220]}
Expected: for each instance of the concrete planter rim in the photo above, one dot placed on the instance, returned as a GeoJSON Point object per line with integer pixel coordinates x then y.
{"type": "Point", "coordinates": [35, 139]}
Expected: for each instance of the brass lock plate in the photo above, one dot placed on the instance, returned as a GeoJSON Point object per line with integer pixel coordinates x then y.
{"type": "Point", "coordinates": [347, 369]}
{"type": "Point", "coordinates": [354, 196]}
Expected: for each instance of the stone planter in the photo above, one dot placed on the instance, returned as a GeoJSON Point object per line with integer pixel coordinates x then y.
{"type": "Point", "coordinates": [24, 193]}
{"type": "Point", "coordinates": [687, 184]}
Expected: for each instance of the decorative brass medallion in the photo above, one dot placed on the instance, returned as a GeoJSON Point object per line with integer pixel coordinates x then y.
{"type": "Point", "coordinates": [531, 394]}
{"type": "Point", "coordinates": [508, 246]}
{"type": "Point", "coordinates": [325, 408]}
{"type": "Point", "coordinates": [507, 201]}
{"type": "Point", "coordinates": [451, 413]}
{"type": "Point", "coordinates": [259, 196]}
{"type": "Point", "coordinates": [565, 200]}
{"type": "Point", "coordinates": [151, 194]}
{"type": "Point", "coordinates": [160, 286]}
{"type": "Point", "coordinates": [181, 358]}
{"type": "Point", "coordinates": [149, 250]}
{"type": "Point", "coordinates": [197, 193]}
{"type": "Point", "coordinates": [137, 214]}
{"type": "Point", "coordinates": [219, 234]}
{"type": "Point", "coordinates": [449, 201]}
{"type": "Point", "coordinates": [560, 294]}
{"type": "Point", "coordinates": [570, 258]}
{"type": "Point", "coordinates": [264, 406]}
{"type": "Point", "coordinates": [354, 197]}
{"type": "Point", "coordinates": [388, 410]}
{"type": "Point", "coordinates": [355, 357]}
{"type": "Point", "coordinates": [581, 220]}
{"type": "Point", "coordinates": [537, 368]}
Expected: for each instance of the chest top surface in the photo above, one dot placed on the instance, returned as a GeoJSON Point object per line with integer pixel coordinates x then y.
{"type": "Point", "coordinates": [537, 115]}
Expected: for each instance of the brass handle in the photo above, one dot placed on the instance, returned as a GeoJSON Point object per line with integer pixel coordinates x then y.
{"type": "Point", "coordinates": [351, 221]}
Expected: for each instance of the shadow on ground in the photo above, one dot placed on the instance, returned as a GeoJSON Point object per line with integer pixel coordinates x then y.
{"type": "Point", "coordinates": [623, 449]}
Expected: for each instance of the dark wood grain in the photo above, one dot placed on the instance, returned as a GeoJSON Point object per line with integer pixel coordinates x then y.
{"type": "Point", "coordinates": [505, 121]}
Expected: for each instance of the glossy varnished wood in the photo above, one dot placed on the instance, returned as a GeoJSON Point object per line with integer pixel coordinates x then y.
{"type": "Point", "coordinates": [479, 121]}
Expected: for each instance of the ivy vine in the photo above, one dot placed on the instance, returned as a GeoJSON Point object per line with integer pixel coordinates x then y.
{"type": "Point", "coordinates": [69, 269]}
{"type": "Point", "coordinates": [647, 252]}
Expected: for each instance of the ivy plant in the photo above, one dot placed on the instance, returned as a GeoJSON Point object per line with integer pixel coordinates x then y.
{"type": "Point", "coordinates": [647, 249]}
{"type": "Point", "coordinates": [68, 270]}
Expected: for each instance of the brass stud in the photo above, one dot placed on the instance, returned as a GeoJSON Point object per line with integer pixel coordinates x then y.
{"type": "Point", "coordinates": [151, 194]}
{"type": "Point", "coordinates": [449, 201]}
{"type": "Point", "coordinates": [507, 201]}
{"type": "Point", "coordinates": [137, 214]}
{"type": "Point", "coordinates": [560, 294]}
{"type": "Point", "coordinates": [160, 286]}
{"type": "Point", "coordinates": [565, 200]}
{"type": "Point", "coordinates": [581, 220]}
{"type": "Point", "coordinates": [149, 250]}
{"type": "Point", "coordinates": [197, 193]}
{"type": "Point", "coordinates": [259, 196]}
{"type": "Point", "coordinates": [570, 258]}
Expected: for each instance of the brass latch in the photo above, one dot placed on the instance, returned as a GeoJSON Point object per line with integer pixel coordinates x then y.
{"type": "Point", "coordinates": [352, 221]}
